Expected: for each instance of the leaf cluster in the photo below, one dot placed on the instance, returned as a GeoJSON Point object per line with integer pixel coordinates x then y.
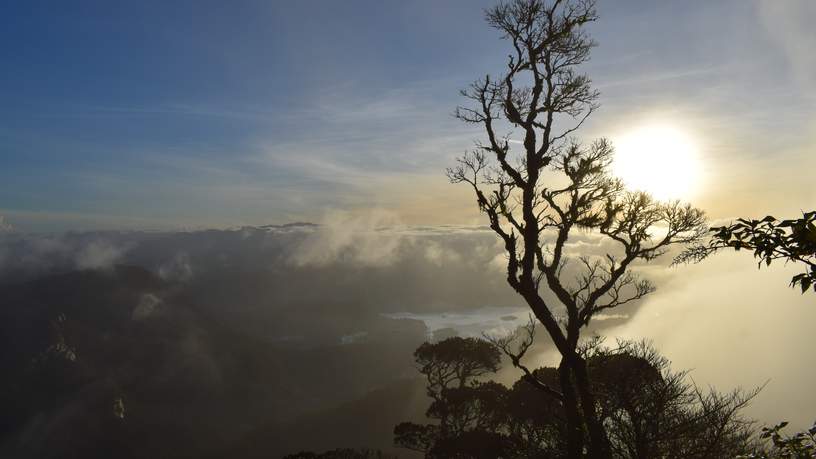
{"type": "Point", "coordinates": [791, 240]}
{"type": "Point", "coordinates": [801, 445]}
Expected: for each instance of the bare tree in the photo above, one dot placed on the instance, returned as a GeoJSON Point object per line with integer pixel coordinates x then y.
{"type": "Point", "coordinates": [540, 190]}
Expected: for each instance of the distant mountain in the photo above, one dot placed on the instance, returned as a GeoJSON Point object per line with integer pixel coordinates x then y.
{"type": "Point", "coordinates": [123, 363]}
{"type": "Point", "coordinates": [178, 344]}
{"type": "Point", "coordinates": [367, 422]}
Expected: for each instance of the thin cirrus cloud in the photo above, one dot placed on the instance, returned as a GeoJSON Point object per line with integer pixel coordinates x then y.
{"type": "Point", "coordinates": [358, 131]}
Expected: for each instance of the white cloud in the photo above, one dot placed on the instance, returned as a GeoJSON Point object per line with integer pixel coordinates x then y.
{"type": "Point", "coordinates": [365, 239]}
{"type": "Point", "coordinates": [98, 255]}
{"type": "Point", "coordinates": [440, 255]}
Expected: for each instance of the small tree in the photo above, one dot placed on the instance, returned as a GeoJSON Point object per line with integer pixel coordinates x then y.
{"type": "Point", "coordinates": [460, 403]}
{"type": "Point", "coordinates": [454, 362]}
{"type": "Point", "coordinates": [543, 97]}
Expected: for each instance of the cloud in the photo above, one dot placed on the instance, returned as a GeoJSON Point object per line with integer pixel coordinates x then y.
{"type": "Point", "coordinates": [729, 322]}
{"type": "Point", "coordinates": [735, 325]}
{"type": "Point", "coordinates": [146, 307]}
{"type": "Point", "coordinates": [5, 226]}
{"type": "Point", "coordinates": [33, 253]}
{"type": "Point", "coordinates": [439, 255]}
{"type": "Point", "coordinates": [366, 239]}
{"type": "Point", "coordinates": [25, 255]}
{"type": "Point", "coordinates": [98, 255]}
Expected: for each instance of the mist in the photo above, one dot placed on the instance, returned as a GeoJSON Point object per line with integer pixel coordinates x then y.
{"type": "Point", "coordinates": [358, 230]}
{"type": "Point", "coordinates": [338, 299]}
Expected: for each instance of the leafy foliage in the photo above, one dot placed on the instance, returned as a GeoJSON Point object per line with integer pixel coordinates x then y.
{"type": "Point", "coordinates": [801, 445]}
{"type": "Point", "coordinates": [770, 239]}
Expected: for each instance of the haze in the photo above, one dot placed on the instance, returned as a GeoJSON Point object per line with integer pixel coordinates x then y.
{"type": "Point", "coordinates": [182, 137]}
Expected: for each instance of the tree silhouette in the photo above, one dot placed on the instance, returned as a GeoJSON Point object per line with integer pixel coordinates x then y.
{"type": "Point", "coordinates": [454, 362]}
{"type": "Point", "coordinates": [540, 193]}
{"type": "Point", "coordinates": [791, 240]}
{"type": "Point", "coordinates": [647, 409]}
{"type": "Point", "coordinates": [801, 445]}
{"type": "Point", "coordinates": [651, 411]}
{"type": "Point", "coordinates": [459, 402]}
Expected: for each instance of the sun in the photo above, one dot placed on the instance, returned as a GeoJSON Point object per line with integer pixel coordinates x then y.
{"type": "Point", "coordinates": [661, 160]}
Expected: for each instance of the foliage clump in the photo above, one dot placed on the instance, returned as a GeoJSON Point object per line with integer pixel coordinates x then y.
{"type": "Point", "coordinates": [792, 240]}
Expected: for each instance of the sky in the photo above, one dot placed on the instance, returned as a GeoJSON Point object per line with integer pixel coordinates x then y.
{"type": "Point", "coordinates": [159, 115]}
{"type": "Point", "coordinates": [199, 114]}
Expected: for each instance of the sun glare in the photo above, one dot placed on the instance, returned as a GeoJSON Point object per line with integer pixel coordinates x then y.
{"type": "Point", "coordinates": [661, 160]}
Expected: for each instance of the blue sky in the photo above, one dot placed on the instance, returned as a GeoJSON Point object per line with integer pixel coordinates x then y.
{"type": "Point", "coordinates": [167, 114]}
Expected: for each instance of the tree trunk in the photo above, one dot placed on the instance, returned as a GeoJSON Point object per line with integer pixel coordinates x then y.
{"type": "Point", "coordinates": [575, 427]}
{"type": "Point", "coordinates": [598, 440]}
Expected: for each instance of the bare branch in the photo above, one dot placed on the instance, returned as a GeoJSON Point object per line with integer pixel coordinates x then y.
{"type": "Point", "coordinates": [522, 338]}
